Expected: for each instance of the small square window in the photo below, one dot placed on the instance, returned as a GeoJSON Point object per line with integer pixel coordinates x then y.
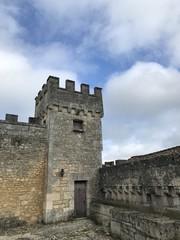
{"type": "Point", "coordinates": [78, 125]}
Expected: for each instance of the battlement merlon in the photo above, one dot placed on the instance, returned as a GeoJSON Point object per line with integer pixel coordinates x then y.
{"type": "Point", "coordinates": [13, 120]}
{"type": "Point", "coordinates": [51, 94]}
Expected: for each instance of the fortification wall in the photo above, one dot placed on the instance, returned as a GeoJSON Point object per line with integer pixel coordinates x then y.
{"type": "Point", "coordinates": [151, 181]}
{"type": "Point", "coordinates": [140, 197]}
{"type": "Point", "coordinates": [134, 225]}
{"type": "Point", "coordinates": [73, 121]}
{"type": "Point", "coordinates": [23, 154]}
{"type": "Point", "coordinates": [61, 99]}
{"type": "Point", "coordinates": [70, 141]}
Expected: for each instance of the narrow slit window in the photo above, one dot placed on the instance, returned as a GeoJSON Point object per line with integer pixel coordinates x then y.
{"type": "Point", "coordinates": [78, 125]}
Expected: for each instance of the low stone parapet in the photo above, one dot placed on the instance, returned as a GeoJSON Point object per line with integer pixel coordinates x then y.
{"type": "Point", "coordinates": [134, 225]}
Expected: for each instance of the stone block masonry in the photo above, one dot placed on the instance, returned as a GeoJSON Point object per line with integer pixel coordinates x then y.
{"type": "Point", "coordinates": [150, 182]}
{"type": "Point", "coordinates": [23, 154]}
{"type": "Point", "coordinates": [49, 166]}
{"type": "Point", "coordinates": [50, 171]}
{"type": "Point", "coordinates": [134, 225]}
{"type": "Point", "coordinates": [139, 197]}
{"type": "Point", "coordinates": [73, 121]}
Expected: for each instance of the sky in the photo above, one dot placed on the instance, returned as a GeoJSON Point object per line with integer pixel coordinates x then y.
{"type": "Point", "coordinates": [130, 48]}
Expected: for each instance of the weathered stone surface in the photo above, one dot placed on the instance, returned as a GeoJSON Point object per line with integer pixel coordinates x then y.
{"type": "Point", "coordinates": [150, 182]}
{"type": "Point", "coordinates": [41, 162]}
{"type": "Point", "coordinates": [23, 149]}
{"type": "Point", "coordinates": [133, 225]}
{"type": "Point", "coordinates": [74, 230]}
{"type": "Point", "coordinates": [76, 152]}
{"type": "Point", "coordinates": [7, 222]}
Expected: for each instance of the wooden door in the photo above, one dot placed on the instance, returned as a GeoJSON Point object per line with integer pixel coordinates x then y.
{"type": "Point", "coordinates": [80, 199]}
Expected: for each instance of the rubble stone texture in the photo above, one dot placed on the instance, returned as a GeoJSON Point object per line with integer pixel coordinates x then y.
{"type": "Point", "coordinates": [41, 161]}
{"type": "Point", "coordinates": [73, 230]}
{"type": "Point", "coordinates": [23, 154]}
{"type": "Point", "coordinates": [50, 171]}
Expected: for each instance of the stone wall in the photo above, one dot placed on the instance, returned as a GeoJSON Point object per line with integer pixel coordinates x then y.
{"type": "Point", "coordinates": [78, 154]}
{"type": "Point", "coordinates": [61, 99]}
{"type": "Point", "coordinates": [42, 162]}
{"type": "Point", "coordinates": [73, 121]}
{"type": "Point", "coordinates": [140, 197]}
{"type": "Point", "coordinates": [132, 225]}
{"type": "Point", "coordinates": [149, 182]}
{"type": "Point", "coordinates": [23, 154]}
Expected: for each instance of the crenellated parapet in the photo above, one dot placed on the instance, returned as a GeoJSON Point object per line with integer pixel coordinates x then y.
{"type": "Point", "coordinates": [147, 181]}
{"type": "Point", "coordinates": [13, 119]}
{"type": "Point", "coordinates": [73, 120]}
{"type": "Point", "coordinates": [166, 153]}
{"type": "Point", "coordinates": [46, 161]}
{"type": "Point", "coordinates": [23, 154]}
{"type": "Point", "coordinates": [68, 99]}
{"type": "Point", "coordinates": [162, 153]}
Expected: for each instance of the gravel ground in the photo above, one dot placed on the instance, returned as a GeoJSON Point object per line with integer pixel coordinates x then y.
{"type": "Point", "coordinates": [82, 229]}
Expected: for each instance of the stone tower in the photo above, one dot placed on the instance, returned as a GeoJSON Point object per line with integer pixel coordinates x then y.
{"type": "Point", "coordinates": [73, 121]}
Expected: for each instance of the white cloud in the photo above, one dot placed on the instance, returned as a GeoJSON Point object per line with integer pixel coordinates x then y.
{"type": "Point", "coordinates": [24, 68]}
{"type": "Point", "coordinates": [20, 83]}
{"type": "Point", "coordinates": [124, 151]}
{"type": "Point", "coordinates": [117, 26]}
{"type": "Point", "coordinates": [58, 56]}
{"type": "Point", "coordinates": [70, 17]}
{"type": "Point", "coordinates": [141, 24]}
{"type": "Point", "coordinates": [143, 105]}
{"type": "Point", "coordinates": [52, 53]}
{"type": "Point", "coordinates": [145, 89]}
{"type": "Point", "coordinates": [10, 29]}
